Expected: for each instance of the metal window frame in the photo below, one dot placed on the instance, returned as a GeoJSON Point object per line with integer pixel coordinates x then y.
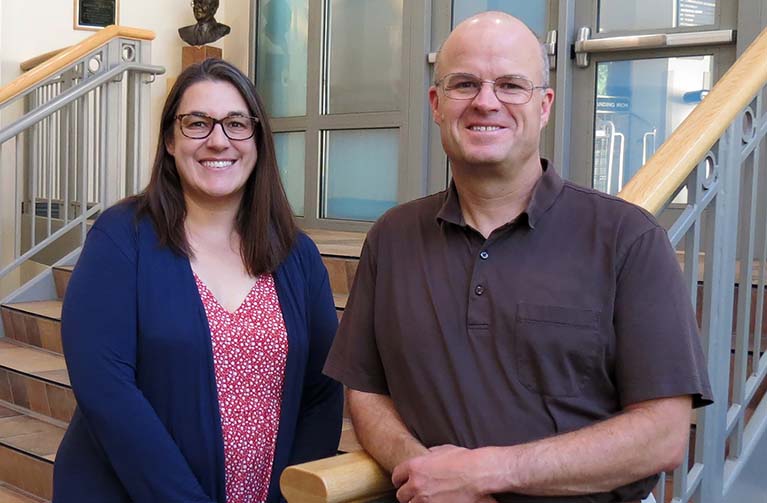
{"type": "Point", "coordinates": [410, 119]}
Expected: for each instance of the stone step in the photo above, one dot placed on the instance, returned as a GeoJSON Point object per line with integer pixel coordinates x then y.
{"type": "Point", "coordinates": [27, 450]}
{"type": "Point", "coordinates": [34, 323]}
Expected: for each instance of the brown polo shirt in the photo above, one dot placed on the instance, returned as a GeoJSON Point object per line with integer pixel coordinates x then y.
{"type": "Point", "coordinates": [559, 319]}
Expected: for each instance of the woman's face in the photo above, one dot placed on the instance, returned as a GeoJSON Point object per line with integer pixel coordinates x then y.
{"type": "Point", "coordinates": [212, 170]}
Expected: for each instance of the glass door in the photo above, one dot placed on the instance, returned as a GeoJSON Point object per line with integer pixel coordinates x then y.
{"type": "Point", "coordinates": [639, 70]}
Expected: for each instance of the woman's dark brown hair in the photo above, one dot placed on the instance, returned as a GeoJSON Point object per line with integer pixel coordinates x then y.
{"type": "Point", "coordinates": [264, 220]}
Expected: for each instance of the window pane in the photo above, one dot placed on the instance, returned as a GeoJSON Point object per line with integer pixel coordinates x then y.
{"type": "Point", "coordinates": [290, 158]}
{"type": "Point", "coordinates": [281, 57]}
{"type": "Point", "coordinates": [651, 14]}
{"type": "Point", "coordinates": [364, 56]}
{"type": "Point", "coordinates": [639, 104]}
{"type": "Point", "coordinates": [360, 178]}
{"type": "Point", "coordinates": [532, 13]}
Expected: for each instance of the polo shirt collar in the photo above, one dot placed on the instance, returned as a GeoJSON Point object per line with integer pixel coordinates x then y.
{"type": "Point", "coordinates": [545, 192]}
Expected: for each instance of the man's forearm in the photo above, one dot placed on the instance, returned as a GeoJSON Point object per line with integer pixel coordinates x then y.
{"type": "Point", "coordinates": [644, 440]}
{"type": "Point", "coordinates": [380, 429]}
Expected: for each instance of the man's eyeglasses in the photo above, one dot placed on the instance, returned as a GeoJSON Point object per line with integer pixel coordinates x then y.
{"type": "Point", "coordinates": [511, 89]}
{"type": "Point", "coordinates": [199, 126]}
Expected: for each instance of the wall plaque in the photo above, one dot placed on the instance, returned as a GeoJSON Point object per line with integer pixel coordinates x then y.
{"type": "Point", "coordinates": [95, 14]}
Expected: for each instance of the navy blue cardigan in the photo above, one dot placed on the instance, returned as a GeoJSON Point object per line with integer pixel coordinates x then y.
{"type": "Point", "coordinates": [136, 339]}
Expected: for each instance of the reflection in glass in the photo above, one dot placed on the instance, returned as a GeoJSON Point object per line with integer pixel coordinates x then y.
{"type": "Point", "coordinates": [360, 174]}
{"type": "Point", "coordinates": [639, 103]}
{"type": "Point", "coordinates": [290, 158]}
{"type": "Point", "coordinates": [532, 13]}
{"type": "Point", "coordinates": [654, 14]}
{"type": "Point", "coordinates": [282, 56]}
{"type": "Point", "coordinates": [364, 60]}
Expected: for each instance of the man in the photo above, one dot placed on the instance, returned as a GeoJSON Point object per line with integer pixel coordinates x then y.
{"type": "Point", "coordinates": [207, 29]}
{"type": "Point", "coordinates": [516, 337]}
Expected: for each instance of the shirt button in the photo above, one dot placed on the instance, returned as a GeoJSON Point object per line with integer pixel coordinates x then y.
{"type": "Point", "coordinates": [483, 255]}
{"type": "Point", "coordinates": [479, 289]}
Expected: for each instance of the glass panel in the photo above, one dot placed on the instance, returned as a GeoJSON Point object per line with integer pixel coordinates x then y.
{"type": "Point", "coordinates": [290, 149]}
{"type": "Point", "coordinates": [282, 56]}
{"type": "Point", "coordinates": [364, 60]}
{"type": "Point", "coordinates": [532, 13]}
{"type": "Point", "coordinates": [361, 173]}
{"type": "Point", "coordinates": [639, 104]}
{"type": "Point", "coordinates": [654, 14]}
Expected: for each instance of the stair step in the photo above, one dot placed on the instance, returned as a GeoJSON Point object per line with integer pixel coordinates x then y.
{"type": "Point", "coordinates": [34, 362]}
{"type": "Point", "coordinates": [340, 300]}
{"type": "Point", "coordinates": [10, 494]}
{"type": "Point", "coordinates": [349, 442]}
{"type": "Point", "coordinates": [34, 323]}
{"type": "Point", "coordinates": [35, 380]}
{"type": "Point", "coordinates": [61, 275]}
{"type": "Point", "coordinates": [341, 272]}
{"type": "Point", "coordinates": [27, 451]}
{"type": "Point", "coordinates": [337, 243]}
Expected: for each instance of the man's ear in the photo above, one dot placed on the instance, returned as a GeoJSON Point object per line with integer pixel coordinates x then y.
{"type": "Point", "coordinates": [546, 102]}
{"type": "Point", "coordinates": [434, 102]}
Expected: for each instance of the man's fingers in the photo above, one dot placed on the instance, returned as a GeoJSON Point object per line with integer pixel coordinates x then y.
{"type": "Point", "coordinates": [399, 475]}
{"type": "Point", "coordinates": [405, 494]}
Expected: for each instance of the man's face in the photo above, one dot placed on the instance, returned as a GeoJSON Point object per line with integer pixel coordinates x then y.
{"type": "Point", "coordinates": [484, 130]}
{"type": "Point", "coordinates": [204, 9]}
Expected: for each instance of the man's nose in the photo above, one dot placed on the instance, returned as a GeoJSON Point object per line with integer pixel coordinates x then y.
{"type": "Point", "coordinates": [486, 97]}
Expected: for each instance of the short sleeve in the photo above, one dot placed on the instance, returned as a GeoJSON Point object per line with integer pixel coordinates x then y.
{"type": "Point", "coordinates": [658, 350]}
{"type": "Point", "coordinates": [354, 358]}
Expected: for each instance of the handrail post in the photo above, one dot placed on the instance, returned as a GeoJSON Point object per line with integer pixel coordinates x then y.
{"type": "Point", "coordinates": [112, 164]}
{"type": "Point", "coordinates": [137, 137]}
{"type": "Point", "coordinates": [717, 309]}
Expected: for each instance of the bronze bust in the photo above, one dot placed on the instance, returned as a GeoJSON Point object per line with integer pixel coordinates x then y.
{"type": "Point", "coordinates": [207, 29]}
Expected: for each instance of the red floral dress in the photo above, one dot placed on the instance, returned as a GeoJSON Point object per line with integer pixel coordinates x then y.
{"type": "Point", "coordinates": [250, 348]}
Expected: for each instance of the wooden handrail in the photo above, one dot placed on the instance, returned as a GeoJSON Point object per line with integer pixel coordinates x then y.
{"type": "Point", "coordinates": [655, 183]}
{"type": "Point", "coordinates": [347, 477]}
{"type": "Point", "coordinates": [69, 56]}
{"type": "Point", "coordinates": [30, 63]}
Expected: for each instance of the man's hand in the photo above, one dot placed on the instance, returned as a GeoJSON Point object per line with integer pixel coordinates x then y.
{"type": "Point", "coordinates": [446, 474]}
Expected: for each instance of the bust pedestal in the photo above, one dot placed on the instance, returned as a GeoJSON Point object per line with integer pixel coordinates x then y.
{"type": "Point", "coordinates": [192, 54]}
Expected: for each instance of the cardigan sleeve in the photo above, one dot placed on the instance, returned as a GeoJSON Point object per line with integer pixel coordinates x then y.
{"type": "Point", "coordinates": [100, 337]}
{"type": "Point", "coordinates": [319, 422]}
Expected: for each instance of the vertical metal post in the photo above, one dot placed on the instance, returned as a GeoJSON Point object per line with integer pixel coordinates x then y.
{"type": "Point", "coordinates": [18, 200]}
{"type": "Point", "coordinates": [717, 322]}
{"type": "Point", "coordinates": [113, 163]}
{"type": "Point", "coordinates": [746, 256]}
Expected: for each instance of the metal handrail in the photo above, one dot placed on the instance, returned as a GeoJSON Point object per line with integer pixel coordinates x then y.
{"type": "Point", "coordinates": [71, 95]}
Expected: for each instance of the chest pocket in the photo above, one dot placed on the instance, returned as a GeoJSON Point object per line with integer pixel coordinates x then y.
{"type": "Point", "coordinates": [556, 348]}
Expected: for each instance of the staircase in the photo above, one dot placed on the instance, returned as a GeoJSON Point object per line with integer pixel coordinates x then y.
{"type": "Point", "coordinates": [36, 400]}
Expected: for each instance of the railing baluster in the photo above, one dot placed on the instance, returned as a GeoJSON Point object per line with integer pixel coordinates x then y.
{"type": "Point", "coordinates": [49, 177]}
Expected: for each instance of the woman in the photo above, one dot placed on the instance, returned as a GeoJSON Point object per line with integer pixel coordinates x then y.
{"type": "Point", "coordinates": [197, 320]}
